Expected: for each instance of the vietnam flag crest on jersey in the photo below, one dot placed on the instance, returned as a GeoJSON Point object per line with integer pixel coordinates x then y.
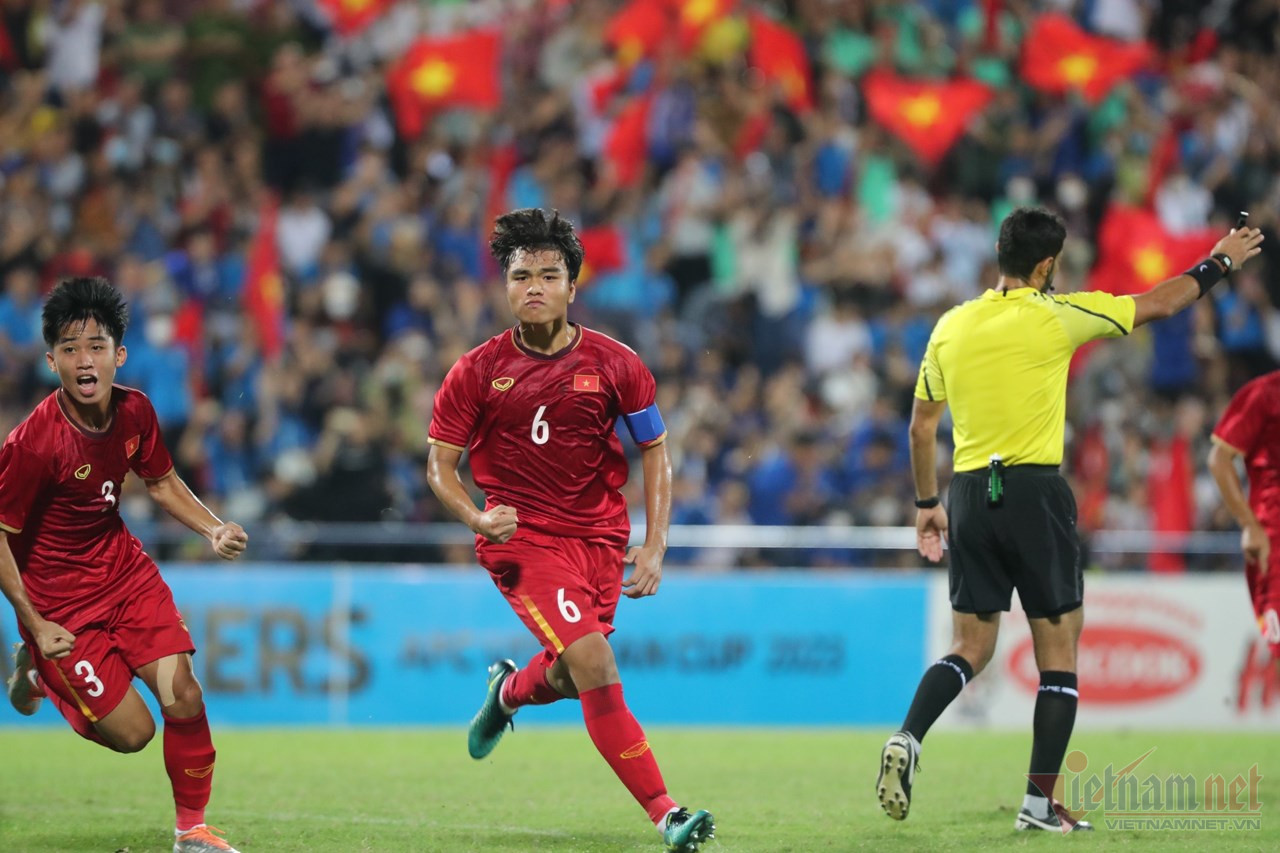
{"type": "Point", "coordinates": [586, 382]}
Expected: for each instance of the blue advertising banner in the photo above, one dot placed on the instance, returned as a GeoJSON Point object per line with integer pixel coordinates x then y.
{"type": "Point", "coordinates": [395, 645]}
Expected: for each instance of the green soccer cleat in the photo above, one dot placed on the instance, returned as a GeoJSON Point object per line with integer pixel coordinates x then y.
{"type": "Point", "coordinates": [25, 692]}
{"type": "Point", "coordinates": [490, 722]}
{"type": "Point", "coordinates": [684, 832]}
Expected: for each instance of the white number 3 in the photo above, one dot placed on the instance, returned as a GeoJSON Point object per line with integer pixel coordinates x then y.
{"type": "Point", "coordinates": [85, 669]}
{"type": "Point", "coordinates": [568, 609]}
{"type": "Point", "coordinates": [107, 488]}
{"type": "Point", "coordinates": [541, 430]}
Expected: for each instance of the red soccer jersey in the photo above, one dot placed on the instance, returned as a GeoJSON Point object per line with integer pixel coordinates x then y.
{"type": "Point", "coordinates": [540, 429]}
{"type": "Point", "coordinates": [60, 503]}
{"type": "Point", "coordinates": [1251, 424]}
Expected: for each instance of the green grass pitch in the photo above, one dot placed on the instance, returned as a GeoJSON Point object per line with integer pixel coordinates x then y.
{"type": "Point", "coordinates": [547, 789]}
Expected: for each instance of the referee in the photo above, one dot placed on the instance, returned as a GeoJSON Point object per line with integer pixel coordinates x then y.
{"type": "Point", "coordinates": [1001, 362]}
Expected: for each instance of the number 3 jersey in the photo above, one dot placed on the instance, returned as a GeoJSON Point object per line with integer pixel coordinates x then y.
{"type": "Point", "coordinates": [60, 487]}
{"type": "Point", "coordinates": [540, 429]}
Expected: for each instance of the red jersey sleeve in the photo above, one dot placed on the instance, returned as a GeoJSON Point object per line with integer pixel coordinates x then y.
{"type": "Point", "coordinates": [152, 460]}
{"type": "Point", "coordinates": [636, 386]}
{"type": "Point", "coordinates": [1241, 424]}
{"type": "Point", "coordinates": [23, 473]}
{"type": "Point", "coordinates": [456, 410]}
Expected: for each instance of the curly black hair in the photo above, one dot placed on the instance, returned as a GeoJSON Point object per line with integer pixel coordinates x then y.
{"type": "Point", "coordinates": [530, 229]}
{"type": "Point", "coordinates": [1028, 235]}
{"type": "Point", "coordinates": [78, 300]}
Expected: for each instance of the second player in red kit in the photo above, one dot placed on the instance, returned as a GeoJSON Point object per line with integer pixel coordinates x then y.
{"type": "Point", "coordinates": [1250, 428]}
{"type": "Point", "coordinates": [536, 408]}
{"type": "Point", "coordinates": [92, 609]}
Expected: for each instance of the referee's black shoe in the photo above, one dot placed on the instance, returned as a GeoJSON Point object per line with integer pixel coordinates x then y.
{"type": "Point", "coordinates": [1057, 821]}
{"type": "Point", "coordinates": [899, 761]}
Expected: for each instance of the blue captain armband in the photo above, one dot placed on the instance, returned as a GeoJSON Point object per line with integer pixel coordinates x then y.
{"type": "Point", "coordinates": [645, 425]}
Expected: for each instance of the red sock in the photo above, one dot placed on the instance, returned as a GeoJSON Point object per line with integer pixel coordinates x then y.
{"type": "Point", "coordinates": [621, 741]}
{"type": "Point", "coordinates": [189, 756]}
{"type": "Point", "coordinates": [529, 685]}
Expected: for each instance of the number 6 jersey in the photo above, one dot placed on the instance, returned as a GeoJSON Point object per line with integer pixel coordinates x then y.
{"type": "Point", "coordinates": [540, 429]}
{"type": "Point", "coordinates": [60, 488]}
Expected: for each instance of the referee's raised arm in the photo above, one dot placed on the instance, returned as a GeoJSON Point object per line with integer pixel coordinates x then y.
{"type": "Point", "coordinates": [1169, 297]}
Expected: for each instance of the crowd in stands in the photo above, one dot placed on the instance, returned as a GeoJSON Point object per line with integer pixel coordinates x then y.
{"type": "Point", "coordinates": [780, 270]}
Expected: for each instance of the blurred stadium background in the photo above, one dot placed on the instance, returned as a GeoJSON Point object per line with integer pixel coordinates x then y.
{"type": "Point", "coordinates": [778, 199]}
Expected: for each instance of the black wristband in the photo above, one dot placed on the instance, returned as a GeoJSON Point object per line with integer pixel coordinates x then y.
{"type": "Point", "coordinates": [928, 503]}
{"type": "Point", "coordinates": [1224, 259]}
{"type": "Point", "coordinates": [1207, 273]}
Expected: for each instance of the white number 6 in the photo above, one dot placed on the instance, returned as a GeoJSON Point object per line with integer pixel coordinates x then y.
{"type": "Point", "coordinates": [86, 669]}
{"type": "Point", "coordinates": [568, 609]}
{"type": "Point", "coordinates": [540, 433]}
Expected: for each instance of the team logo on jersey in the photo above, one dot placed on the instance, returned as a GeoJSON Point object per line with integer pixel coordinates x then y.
{"type": "Point", "coordinates": [131, 446]}
{"type": "Point", "coordinates": [502, 383]}
{"type": "Point", "coordinates": [83, 471]}
{"type": "Point", "coordinates": [586, 382]}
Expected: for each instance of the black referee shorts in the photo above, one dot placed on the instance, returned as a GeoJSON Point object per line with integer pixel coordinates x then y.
{"type": "Point", "coordinates": [1028, 543]}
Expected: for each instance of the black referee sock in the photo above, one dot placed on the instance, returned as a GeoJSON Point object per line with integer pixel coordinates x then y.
{"type": "Point", "coordinates": [1055, 717]}
{"type": "Point", "coordinates": [940, 684]}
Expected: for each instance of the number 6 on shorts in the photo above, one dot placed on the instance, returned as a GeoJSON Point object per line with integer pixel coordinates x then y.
{"type": "Point", "coordinates": [568, 609]}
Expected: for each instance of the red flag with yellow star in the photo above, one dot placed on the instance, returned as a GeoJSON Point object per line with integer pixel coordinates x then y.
{"type": "Point", "coordinates": [455, 71]}
{"type": "Point", "coordinates": [263, 286]}
{"type": "Point", "coordinates": [694, 17]}
{"type": "Point", "coordinates": [1058, 57]}
{"type": "Point", "coordinates": [1135, 253]}
{"type": "Point", "coordinates": [626, 147]}
{"type": "Point", "coordinates": [928, 115]}
{"type": "Point", "coordinates": [602, 251]}
{"type": "Point", "coordinates": [349, 17]}
{"type": "Point", "coordinates": [780, 56]}
{"type": "Point", "coordinates": [635, 31]}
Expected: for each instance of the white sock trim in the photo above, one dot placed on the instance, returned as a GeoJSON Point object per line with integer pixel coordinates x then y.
{"type": "Point", "coordinates": [1054, 688]}
{"type": "Point", "coordinates": [177, 832]}
{"type": "Point", "coordinates": [1038, 806]}
{"type": "Point", "coordinates": [960, 672]}
{"type": "Point", "coordinates": [662, 822]}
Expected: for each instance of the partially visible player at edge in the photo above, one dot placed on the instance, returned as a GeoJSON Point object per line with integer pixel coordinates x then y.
{"type": "Point", "coordinates": [92, 608]}
{"type": "Point", "coordinates": [1250, 428]}
{"type": "Point", "coordinates": [536, 407]}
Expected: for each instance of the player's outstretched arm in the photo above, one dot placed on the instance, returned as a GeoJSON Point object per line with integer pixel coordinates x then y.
{"type": "Point", "coordinates": [655, 463]}
{"type": "Point", "coordinates": [54, 640]}
{"type": "Point", "coordinates": [931, 522]}
{"type": "Point", "coordinates": [1254, 541]}
{"type": "Point", "coordinates": [227, 538]}
{"type": "Point", "coordinates": [1169, 297]}
{"type": "Point", "coordinates": [497, 524]}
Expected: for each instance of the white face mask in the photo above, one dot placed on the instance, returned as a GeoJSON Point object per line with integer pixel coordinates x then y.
{"type": "Point", "coordinates": [341, 296]}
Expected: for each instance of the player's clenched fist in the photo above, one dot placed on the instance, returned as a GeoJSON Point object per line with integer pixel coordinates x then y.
{"type": "Point", "coordinates": [54, 640]}
{"type": "Point", "coordinates": [229, 540]}
{"type": "Point", "coordinates": [498, 524]}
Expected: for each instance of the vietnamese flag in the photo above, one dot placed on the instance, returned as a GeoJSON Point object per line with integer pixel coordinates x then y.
{"type": "Point", "coordinates": [626, 147]}
{"type": "Point", "coordinates": [263, 286]}
{"type": "Point", "coordinates": [637, 29]}
{"type": "Point", "coordinates": [696, 16]}
{"type": "Point", "coordinates": [781, 58]}
{"type": "Point", "coordinates": [349, 17]}
{"type": "Point", "coordinates": [1135, 253]}
{"type": "Point", "coordinates": [928, 115]}
{"type": "Point", "coordinates": [1058, 56]}
{"type": "Point", "coordinates": [603, 250]}
{"type": "Point", "coordinates": [454, 71]}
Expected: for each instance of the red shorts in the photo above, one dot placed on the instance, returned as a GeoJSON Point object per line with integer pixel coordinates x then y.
{"type": "Point", "coordinates": [562, 588]}
{"type": "Point", "coordinates": [1264, 590]}
{"type": "Point", "coordinates": [97, 674]}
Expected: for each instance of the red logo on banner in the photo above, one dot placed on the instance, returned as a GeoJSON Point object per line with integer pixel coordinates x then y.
{"type": "Point", "coordinates": [1119, 665]}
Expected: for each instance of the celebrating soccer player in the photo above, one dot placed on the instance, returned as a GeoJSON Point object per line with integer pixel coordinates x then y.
{"type": "Point", "coordinates": [536, 407]}
{"type": "Point", "coordinates": [1248, 428]}
{"type": "Point", "coordinates": [1000, 362]}
{"type": "Point", "coordinates": [92, 608]}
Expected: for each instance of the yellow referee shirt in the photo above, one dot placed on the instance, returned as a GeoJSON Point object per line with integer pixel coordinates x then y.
{"type": "Point", "coordinates": [1000, 361]}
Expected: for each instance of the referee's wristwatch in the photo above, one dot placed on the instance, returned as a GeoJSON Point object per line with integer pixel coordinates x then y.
{"type": "Point", "coordinates": [928, 503]}
{"type": "Point", "coordinates": [1224, 259]}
